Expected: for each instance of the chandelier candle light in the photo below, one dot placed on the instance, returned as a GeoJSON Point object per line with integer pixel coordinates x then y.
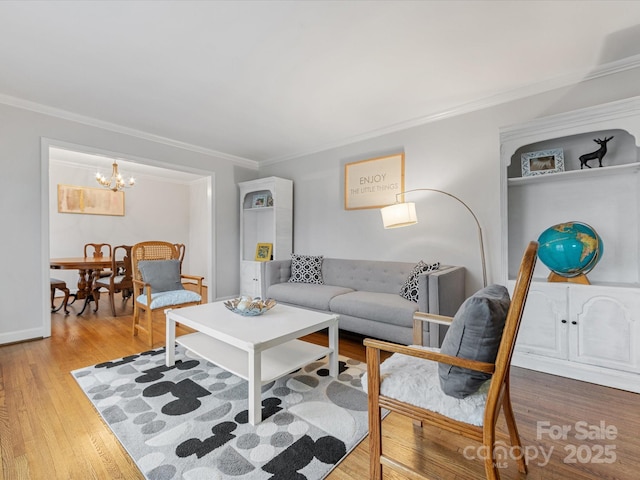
{"type": "Point", "coordinates": [115, 182]}
{"type": "Point", "coordinates": [403, 214]}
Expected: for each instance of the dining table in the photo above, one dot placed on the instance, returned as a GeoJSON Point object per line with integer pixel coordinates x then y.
{"type": "Point", "coordinates": [88, 268]}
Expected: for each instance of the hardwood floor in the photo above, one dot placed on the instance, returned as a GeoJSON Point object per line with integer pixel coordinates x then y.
{"type": "Point", "coordinates": [49, 430]}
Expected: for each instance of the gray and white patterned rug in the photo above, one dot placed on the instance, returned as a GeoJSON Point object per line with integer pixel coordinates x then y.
{"type": "Point", "coordinates": [190, 421]}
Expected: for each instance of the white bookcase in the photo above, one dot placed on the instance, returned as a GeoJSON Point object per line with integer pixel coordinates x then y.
{"type": "Point", "coordinates": [587, 332]}
{"type": "Point", "coordinates": [269, 222]}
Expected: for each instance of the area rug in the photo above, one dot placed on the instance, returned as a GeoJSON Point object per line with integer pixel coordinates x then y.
{"type": "Point", "coordinates": [190, 421]}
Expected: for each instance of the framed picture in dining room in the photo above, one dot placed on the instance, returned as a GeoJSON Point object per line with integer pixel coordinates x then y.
{"type": "Point", "coordinates": [542, 162]}
{"type": "Point", "coordinates": [90, 201]}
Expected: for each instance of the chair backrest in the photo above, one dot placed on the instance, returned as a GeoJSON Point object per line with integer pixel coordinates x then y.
{"type": "Point", "coordinates": [182, 248]}
{"type": "Point", "coordinates": [121, 264]}
{"type": "Point", "coordinates": [500, 377]}
{"type": "Point", "coordinates": [97, 250]}
{"type": "Point", "coordinates": [151, 250]}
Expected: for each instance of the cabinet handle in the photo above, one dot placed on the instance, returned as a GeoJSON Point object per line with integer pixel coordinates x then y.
{"type": "Point", "coordinates": [574, 322]}
{"type": "Point", "coordinates": [563, 321]}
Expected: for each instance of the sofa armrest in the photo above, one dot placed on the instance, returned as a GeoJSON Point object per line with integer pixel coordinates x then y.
{"type": "Point", "coordinates": [275, 271]}
{"type": "Point", "coordinates": [441, 292]}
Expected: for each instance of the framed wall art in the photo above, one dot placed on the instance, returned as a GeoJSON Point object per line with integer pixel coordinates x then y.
{"type": "Point", "coordinates": [542, 162]}
{"type": "Point", "coordinates": [90, 201]}
{"type": "Point", "coordinates": [373, 183]}
{"type": "Point", "coordinates": [264, 252]}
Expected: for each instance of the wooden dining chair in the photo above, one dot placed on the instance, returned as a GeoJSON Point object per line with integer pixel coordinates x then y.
{"type": "Point", "coordinates": [120, 278]}
{"type": "Point", "coordinates": [460, 387]}
{"type": "Point", "coordinates": [57, 284]}
{"type": "Point", "coordinates": [182, 248]}
{"type": "Point", "coordinates": [158, 283]}
{"type": "Point", "coordinates": [98, 250]}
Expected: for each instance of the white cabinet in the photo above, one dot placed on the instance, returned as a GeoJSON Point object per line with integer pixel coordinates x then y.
{"type": "Point", "coordinates": [266, 216]}
{"type": "Point", "coordinates": [587, 332]}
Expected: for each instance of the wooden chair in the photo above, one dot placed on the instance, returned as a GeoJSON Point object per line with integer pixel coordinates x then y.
{"type": "Point", "coordinates": [182, 248]}
{"type": "Point", "coordinates": [57, 284]}
{"type": "Point", "coordinates": [98, 250]}
{"type": "Point", "coordinates": [120, 278]}
{"type": "Point", "coordinates": [159, 286]}
{"type": "Point", "coordinates": [388, 387]}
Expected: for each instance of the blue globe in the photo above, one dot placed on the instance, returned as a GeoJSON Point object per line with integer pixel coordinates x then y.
{"type": "Point", "coordinates": [570, 249]}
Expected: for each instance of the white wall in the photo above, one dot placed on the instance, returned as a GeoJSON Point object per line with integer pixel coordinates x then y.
{"type": "Point", "coordinates": [24, 304]}
{"type": "Point", "coordinates": [148, 207]}
{"type": "Point", "coordinates": [460, 155]}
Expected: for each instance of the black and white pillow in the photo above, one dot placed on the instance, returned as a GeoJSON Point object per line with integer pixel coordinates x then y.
{"type": "Point", "coordinates": [410, 288]}
{"type": "Point", "coordinates": [306, 269]}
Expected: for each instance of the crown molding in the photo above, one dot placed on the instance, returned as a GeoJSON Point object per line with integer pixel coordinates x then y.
{"type": "Point", "coordinates": [604, 70]}
{"type": "Point", "coordinates": [113, 127]}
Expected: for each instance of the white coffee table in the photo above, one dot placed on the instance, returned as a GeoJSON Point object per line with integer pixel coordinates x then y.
{"type": "Point", "coordinates": [259, 349]}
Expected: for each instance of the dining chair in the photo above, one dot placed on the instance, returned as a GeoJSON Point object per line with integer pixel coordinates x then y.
{"type": "Point", "coordinates": [158, 283]}
{"type": "Point", "coordinates": [120, 278]}
{"type": "Point", "coordinates": [460, 387]}
{"type": "Point", "coordinates": [98, 250]}
{"type": "Point", "coordinates": [182, 248]}
{"type": "Point", "coordinates": [57, 284]}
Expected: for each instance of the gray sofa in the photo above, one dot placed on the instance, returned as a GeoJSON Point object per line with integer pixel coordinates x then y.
{"type": "Point", "coordinates": [366, 295]}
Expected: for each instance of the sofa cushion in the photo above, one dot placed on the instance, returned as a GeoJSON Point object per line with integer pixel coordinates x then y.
{"type": "Point", "coordinates": [475, 334]}
{"type": "Point", "coordinates": [410, 288]}
{"type": "Point", "coordinates": [306, 269]}
{"type": "Point", "coordinates": [162, 275]}
{"type": "Point", "coordinates": [308, 295]}
{"type": "Point", "coordinates": [381, 307]}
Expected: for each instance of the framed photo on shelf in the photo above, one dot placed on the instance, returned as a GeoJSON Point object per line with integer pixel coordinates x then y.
{"type": "Point", "coordinates": [264, 252]}
{"type": "Point", "coordinates": [542, 162]}
{"type": "Point", "coordinates": [259, 200]}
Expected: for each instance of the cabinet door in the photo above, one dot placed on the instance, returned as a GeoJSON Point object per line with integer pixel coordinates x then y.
{"type": "Point", "coordinates": [604, 327]}
{"type": "Point", "coordinates": [543, 329]}
{"type": "Point", "coordinates": [250, 278]}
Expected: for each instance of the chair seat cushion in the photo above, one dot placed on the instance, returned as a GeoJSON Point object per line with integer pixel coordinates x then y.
{"type": "Point", "coordinates": [104, 282]}
{"type": "Point", "coordinates": [167, 299]}
{"type": "Point", "coordinates": [415, 381]}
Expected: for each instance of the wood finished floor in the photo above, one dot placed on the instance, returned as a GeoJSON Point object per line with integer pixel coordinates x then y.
{"type": "Point", "coordinates": [49, 430]}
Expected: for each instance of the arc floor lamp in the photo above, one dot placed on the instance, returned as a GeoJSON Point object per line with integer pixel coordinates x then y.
{"type": "Point", "coordinates": [403, 214]}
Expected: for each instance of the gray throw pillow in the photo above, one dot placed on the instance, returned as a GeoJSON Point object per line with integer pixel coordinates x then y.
{"type": "Point", "coordinates": [162, 275]}
{"type": "Point", "coordinates": [474, 334]}
{"type": "Point", "coordinates": [410, 288]}
{"type": "Point", "coordinates": [306, 269]}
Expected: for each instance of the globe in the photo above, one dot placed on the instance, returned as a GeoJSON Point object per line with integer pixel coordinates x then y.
{"type": "Point", "coordinates": [570, 249]}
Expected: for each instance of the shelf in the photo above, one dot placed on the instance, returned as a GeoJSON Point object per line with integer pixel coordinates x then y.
{"type": "Point", "coordinates": [251, 209]}
{"type": "Point", "coordinates": [575, 174]}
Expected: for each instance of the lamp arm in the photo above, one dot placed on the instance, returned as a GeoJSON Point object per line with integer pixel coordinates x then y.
{"type": "Point", "coordinates": [480, 236]}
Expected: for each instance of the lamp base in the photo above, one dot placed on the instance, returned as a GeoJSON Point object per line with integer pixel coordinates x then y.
{"type": "Point", "coordinates": [582, 279]}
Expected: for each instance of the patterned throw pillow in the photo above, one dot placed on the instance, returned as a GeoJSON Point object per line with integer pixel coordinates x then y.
{"type": "Point", "coordinates": [306, 269]}
{"type": "Point", "coordinates": [410, 288]}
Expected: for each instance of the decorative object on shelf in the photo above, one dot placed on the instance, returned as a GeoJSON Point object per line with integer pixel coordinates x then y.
{"type": "Point", "coordinates": [249, 307]}
{"type": "Point", "coordinates": [373, 183]}
{"type": "Point", "coordinates": [115, 182]}
{"type": "Point", "coordinates": [599, 154]}
{"type": "Point", "coordinates": [259, 200]}
{"type": "Point", "coordinates": [264, 252]}
{"type": "Point", "coordinates": [542, 162]}
{"type": "Point", "coordinates": [570, 250]}
{"type": "Point", "coordinates": [90, 201]}
{"type": "Point", "coordinates": [269, 201]}
{"type": "Point", "coordinates": [403, 214]}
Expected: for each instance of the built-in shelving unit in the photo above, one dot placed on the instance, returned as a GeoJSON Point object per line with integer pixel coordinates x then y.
{"type": "Point", "coordinates": [266, 216]}
{"type": "Point", "coordinates": [588, 332]}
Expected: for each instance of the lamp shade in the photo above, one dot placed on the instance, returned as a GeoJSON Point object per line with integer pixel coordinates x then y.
{"type": "Point", "coordinates": [399, 215]}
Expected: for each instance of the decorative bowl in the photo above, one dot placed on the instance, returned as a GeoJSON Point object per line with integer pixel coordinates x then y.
{"type": "Point", "coordinates": [249, 307]}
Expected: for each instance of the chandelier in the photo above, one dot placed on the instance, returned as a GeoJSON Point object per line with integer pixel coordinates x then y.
{"type": "Point", "coordinates": [115, 182]}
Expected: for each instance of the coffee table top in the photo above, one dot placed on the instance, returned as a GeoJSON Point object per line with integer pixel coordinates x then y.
{"type": "Point", "coordinates": [281, 323]}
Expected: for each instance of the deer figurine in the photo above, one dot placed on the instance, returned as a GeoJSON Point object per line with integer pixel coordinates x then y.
{"type": "Point", "coordinates": [599, 154]}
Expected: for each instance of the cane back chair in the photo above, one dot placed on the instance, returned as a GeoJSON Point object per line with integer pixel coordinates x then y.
{"type": "Point", "coordinates": [157, 283]}
{"type": "Point", "coordinates": [410, 382]}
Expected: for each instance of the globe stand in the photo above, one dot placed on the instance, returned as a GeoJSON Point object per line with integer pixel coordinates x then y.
{"type": "Point", "coordinates": [581, 278]}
